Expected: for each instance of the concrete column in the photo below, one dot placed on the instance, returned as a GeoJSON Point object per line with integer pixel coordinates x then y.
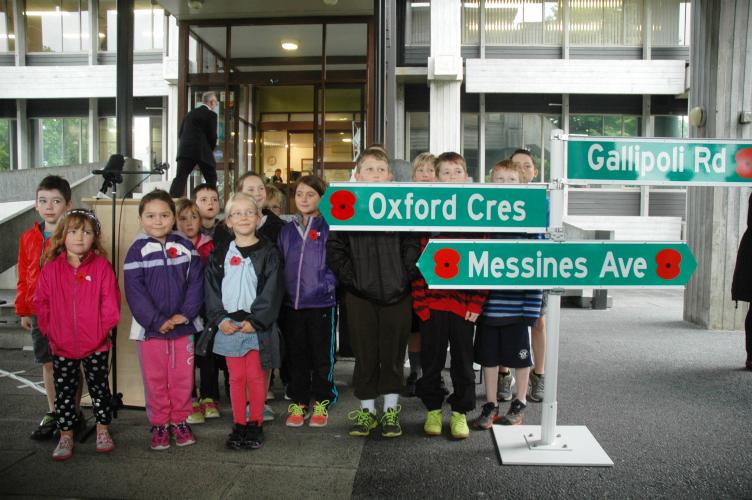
{"type": "Point", "coordinates": [93, 32]}
{"type": "Point", "coordinates": [171, 146]}
{"type": "Point", "coordinates": [19, 29]}
{"type": "Point", "coordinates": [445, 76]}
{"type": "Point", "coordinates": [390, 79]}
{"type": "Point", "coordinates": [716, 216]}
{"type": "Point", "coordinates": [23, 137]}
{"type": "Point", "coordinates": [647, 131]}
{"type": "Point", "coordinates": [93, 129]}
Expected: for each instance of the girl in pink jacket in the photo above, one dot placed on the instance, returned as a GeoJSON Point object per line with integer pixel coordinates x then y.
{"type": "Point", "coordinates": [78, 302]}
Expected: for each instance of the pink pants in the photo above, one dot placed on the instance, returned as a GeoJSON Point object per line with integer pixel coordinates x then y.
{"type": "Point", "coordinates": [167, 370]}
{"type": "Point", "coordinates": [248, 383]}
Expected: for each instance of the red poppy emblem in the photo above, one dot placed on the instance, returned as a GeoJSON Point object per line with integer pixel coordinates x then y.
{"type": "Point", "coordinates": [668, 261]}
{"type": "Point", "coordinates": [447, 263]}
{"type": "Point", "coordinates": [744, 163]}
{"type": "Point", "coordinates": [172, 252]}
{"type": "Point", "coordinates": [235, 260]}
{"type": "Point", "coordinates": [342, 204]}
{"type": "Point", "coordinates": [313, 234]}
{"type": "Point", "coordinates": [80, 277]}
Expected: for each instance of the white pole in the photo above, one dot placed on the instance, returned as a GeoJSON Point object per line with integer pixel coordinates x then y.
{"type": "Point", "coordinates": [553, 314]}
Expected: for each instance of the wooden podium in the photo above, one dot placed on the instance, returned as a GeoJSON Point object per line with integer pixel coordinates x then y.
{"type": "Point", "coordinates": [129, 381]}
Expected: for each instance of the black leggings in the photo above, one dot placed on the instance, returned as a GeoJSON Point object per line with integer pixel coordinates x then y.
{"type": "Point", "coordinates": [67, 376]}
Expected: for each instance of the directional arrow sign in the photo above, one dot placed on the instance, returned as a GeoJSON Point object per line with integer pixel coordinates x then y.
{"type": "Point", "coordinates": [435, 207]}
{"type": "Point", "coordinates": [498, 264]}
{"type": "Point", "coordinates": [691, 162]}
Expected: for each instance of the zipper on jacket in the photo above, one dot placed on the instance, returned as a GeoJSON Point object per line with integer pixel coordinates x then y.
{"type": "Point", "coordinates": [300, 263]}
{"type": "Point", "coordinates": [75, 314]}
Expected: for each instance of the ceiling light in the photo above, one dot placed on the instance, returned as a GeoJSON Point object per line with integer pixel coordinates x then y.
{"type": "Point", "coordinates": [195, 4]}
{"type": "Point", "coordinates": [290, 44]}
{"type": "Point", "coordinates": [330, 2]}
{"type": "Point", "coordinates": [346, 140]}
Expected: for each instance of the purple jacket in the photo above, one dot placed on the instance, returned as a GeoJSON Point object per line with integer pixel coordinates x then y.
{"type": "Point", "coordinates": [160, 281]}
{"type": "Point", "coordinates": [309, 283]}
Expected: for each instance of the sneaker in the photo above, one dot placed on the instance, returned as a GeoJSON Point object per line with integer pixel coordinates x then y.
{"type": "Point", "coordinates": [183, 434]}
{"type": "Point", "coordinates": [458, 425]}
{"type": "Point", "coordinates": [268, 413]}
{"type": "Point", "coordinates": [364, 422]}
{"type": "Point", "coordinates": [433, 424]}
{"type": "Point", "coordinates": [105, 444]}
{"type": "Point", "coordinates": [296, 415]}
{"type": "Point", "coordinates": [236, 438]}
{"type": "Point", "coordinates": [488, 413]}
{"type": "Point", "coordinates": [209, 408]}
{"type": "Point", "coordinates": [535, 389]}
{"type": "Point", "coordinates": [46, 428]}
{"type": "Point", "coordinates": [254, 436]}
{"type": "Point", "coordinates": [515, 415]}
{"type": "Point", "coordinates": [160, 438]}
{"type": "Point", "coordinates": [409, 391]}
{"type": "Point", "coordinates": [287, 396]}
{"type": "Point", "coordinates": [64, 449]}
{"type": "Point", "coordinates": [320, 415]}
{"type": "Point", "coordinates": [197, 417]}
{"type": "Point", "coordinates": [504, 389]}
{"type": "Point", "coordinates": [390, 426]}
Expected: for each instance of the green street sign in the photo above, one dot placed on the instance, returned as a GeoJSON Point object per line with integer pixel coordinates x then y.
{"type": "Point", "coordinates": [538, 264]}
{"type": "Point", "coordinates": [605, 160]}
{"type": "Point", "coordinates": [412, 206]}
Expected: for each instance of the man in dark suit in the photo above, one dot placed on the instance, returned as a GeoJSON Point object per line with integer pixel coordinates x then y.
{"type": "Point", "coordinates": [197, 139]}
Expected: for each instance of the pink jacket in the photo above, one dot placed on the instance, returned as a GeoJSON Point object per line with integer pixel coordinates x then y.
{"type": "Point", "coordinates": [77, 308]}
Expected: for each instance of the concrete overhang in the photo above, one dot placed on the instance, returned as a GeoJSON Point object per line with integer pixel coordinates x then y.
{"type": "Point", "coordinates": [247, 9]}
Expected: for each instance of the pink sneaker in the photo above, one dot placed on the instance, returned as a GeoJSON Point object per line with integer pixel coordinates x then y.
{"type": "Point", "coordinates": [64, 449]}
{"type": "Point", "coordinates": [105, 444]}
{"type": "Point", "coordinates": [160, 438]}
{"type": "Point", "coordinates": [183, 434]}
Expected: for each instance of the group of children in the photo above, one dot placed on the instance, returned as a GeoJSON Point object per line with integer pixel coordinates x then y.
{"type": "Point", "coordinates": [236, 293]}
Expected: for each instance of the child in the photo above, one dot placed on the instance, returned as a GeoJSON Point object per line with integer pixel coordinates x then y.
{"type": "Point", "coordinates": [524, 159]}
{"type": "Point", "coordinates": [274, 199]}
{"type": "Point", "coordinates": [447, 317]}
{"type": "Point", "coordinates": [78, 302]}
{"type": "Point", "coordinates": [424, 170]}
{"type": "Point", "coordinates": [309, 307]}
{"type": "Point", "coordinates": [502, 339]}
{"type": "Point", "coordinates": [164, 288]}
{"type": "Point", "coordinates": [375, 269]}
{"type": "Point", "coordinates": [53, 199]}
{"type": "Point", "coordinates": [243, 294]}
{"type": "Point", "coordinates": [189, 223]}
{"type": "Point", "coordinates": [206, 198]}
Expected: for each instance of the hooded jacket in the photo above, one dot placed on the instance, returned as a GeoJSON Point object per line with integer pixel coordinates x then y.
{"type": "Point", "coordinates": [77, 307]}
{"type": "Point", "coordinates": [31, 248]}
{"type": "Point", "coordinates": [161, 280]}
{"type": "Point", "coordinates": [741, 286]}
{"type": "Point", "coordinates": [309, 283]}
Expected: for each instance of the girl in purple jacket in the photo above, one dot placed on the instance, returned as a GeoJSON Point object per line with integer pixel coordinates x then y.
{"type": "Point", "coordinates": [308, 320]}
{"type": "Point", "coordinates": [164, 287]}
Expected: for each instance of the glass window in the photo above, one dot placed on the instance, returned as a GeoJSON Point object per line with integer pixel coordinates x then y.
{"type": "Point", "coordinates": [671, 22]}
{"type": "Point", "coordinates": [7, 34]}
{"type": "Point", "coordinates": [418, 23]}
{"type": "Point", "coordinates": [605, 125]}
{"type": "Point", "coordinates": [605, 22]}
{"type": "Point", "coordinates": [523, 22]}
{"type": "Point", "coordinates": [417, 135]}
{"type": "Point", "coordinates": [60, 141]}
{"type": "Point", "coordinates": [470, 142]}
{"type": "Point", "coordinates": [6, 144]}
{"type": "Point", "coordinates": [57, 25]}
{"type": "Point", "coordinates": [471, 22]}
{"type": "Point", "coordinates": [148, 22]}
{"type": "Point", "coordinates": [107, 138]}
{"type": "Point", "coordinates": [670, 126]}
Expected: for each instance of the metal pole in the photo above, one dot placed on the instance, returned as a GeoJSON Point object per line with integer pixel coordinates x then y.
{"type": "Point", "coordinates": [124, 85]}
{"type": "Point", "coordinates": [553, 315]}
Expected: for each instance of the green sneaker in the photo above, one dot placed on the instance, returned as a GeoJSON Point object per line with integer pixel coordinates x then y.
{"type": "Point", "coordinates": [458, 425]}
{"type": "Point", "coordinates": [364, 422]}
{"type": "Point", "coordinates": [390, 426]}
{"type": "Point", "coordinates": [432, 427]}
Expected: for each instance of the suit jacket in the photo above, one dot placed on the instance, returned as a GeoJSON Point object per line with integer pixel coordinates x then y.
{"type": "Point", "coordinates": [197, 136]}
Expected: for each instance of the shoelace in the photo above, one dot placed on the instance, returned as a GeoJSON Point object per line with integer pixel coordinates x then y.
{"type": "Point", "coordinates": [161, 430]}
{"type": "Point", "coordinates": [319, 408]}
{"type": "Point", "coordinates": [296, 410]}
{"type": "Point", "coordinates": [361, 417]}
{"type": "Point", "coordinates": [182, 428]}
{"type": "Point", "coordinates": [391, 416]}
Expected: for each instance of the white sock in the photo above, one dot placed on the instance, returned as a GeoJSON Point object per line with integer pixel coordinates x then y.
{"type": "Point", "coordinates": [368, 404]}
{"type": "Point", "coordinates": [390, 400]}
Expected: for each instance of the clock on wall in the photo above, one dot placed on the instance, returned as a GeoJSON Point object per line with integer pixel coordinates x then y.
{"type": "Point", "coordinates": [271, 160]}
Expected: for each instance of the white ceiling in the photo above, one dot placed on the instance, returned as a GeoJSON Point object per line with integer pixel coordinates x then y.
{"type": "Point", "coordinates": [228, 9]}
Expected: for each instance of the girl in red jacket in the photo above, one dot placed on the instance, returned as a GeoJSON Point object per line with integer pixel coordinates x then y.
{"type": "Point", "coordinates": [78, 302]}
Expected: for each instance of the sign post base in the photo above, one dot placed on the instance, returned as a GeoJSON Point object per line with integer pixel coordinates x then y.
{"type": "Point", "coordinates": [573, 446]}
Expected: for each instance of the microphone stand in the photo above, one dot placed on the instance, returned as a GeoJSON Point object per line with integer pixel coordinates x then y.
{"type": "Point", "coordinates": [111, 179]}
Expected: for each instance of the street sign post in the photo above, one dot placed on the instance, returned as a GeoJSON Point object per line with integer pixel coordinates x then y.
{"type": "Point", "coordinates": [648, 161]}
{"type": "Point", "coordinates": [444, 207]}
{"type": "Point", "coordinates": [540, 264]}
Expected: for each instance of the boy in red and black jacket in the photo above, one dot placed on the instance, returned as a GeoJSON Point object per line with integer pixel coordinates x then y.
{"type": "Point", "coordinates": [447, 317]}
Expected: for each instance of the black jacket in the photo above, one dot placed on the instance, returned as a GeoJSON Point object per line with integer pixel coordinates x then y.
{"type": "Point", "coordinates": [741, 286]}
{"type": "Point", "coordinates": [197, 136]}
{"type": "Point", "coordinates": [376, 266]}
{"type": "Point", "coordinates": [271, 228]}
{"type": "Point", "coordinates": [265, 309]}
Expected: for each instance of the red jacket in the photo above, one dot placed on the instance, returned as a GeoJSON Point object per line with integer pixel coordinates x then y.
{"type": "Point", "coordinates": [204, 246]}
{"type": "Point", "coordinates": [459, 302]}
{"type": "Point", "coordinates": [31, 248]}
{"type": "Point", "coordinates": [77, 307]}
